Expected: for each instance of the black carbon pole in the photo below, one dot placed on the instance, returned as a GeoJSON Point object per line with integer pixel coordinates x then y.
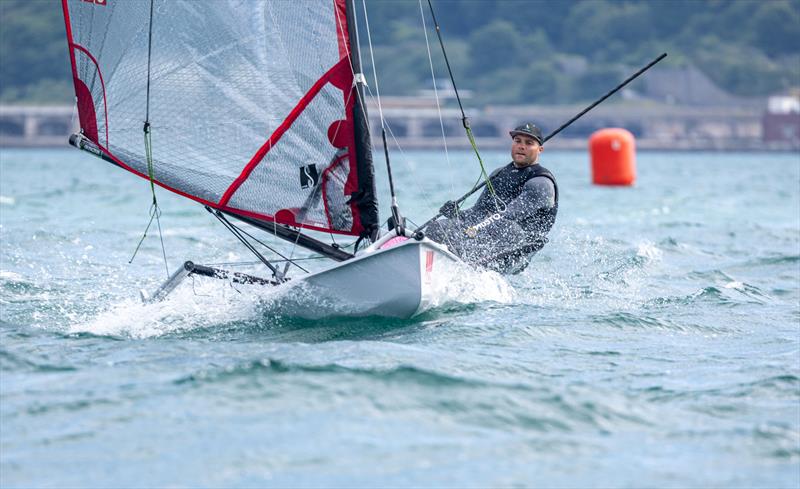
{"type": "Point", "coordinates": [562, 127]}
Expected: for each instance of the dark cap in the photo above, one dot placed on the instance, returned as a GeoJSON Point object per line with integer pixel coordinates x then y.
{"type": "Point", "coordinates": [528, 129]}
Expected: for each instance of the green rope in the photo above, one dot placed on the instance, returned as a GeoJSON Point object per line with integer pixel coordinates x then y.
{"type": "Point", "coordinates": [464, 118]}
{"type": "Point", "coordinates": [480, 160]}
{"type": "Point", "coordinates": [155, 211]}
{"type": "Point", "coordinates": [148, 151]}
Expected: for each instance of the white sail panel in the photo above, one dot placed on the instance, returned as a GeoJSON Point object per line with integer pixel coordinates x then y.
{"type": "Point", "coordinates": [239, 95]}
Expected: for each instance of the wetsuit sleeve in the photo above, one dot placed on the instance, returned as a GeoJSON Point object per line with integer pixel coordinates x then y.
{"type": "Point", "coordinates": [537, 193]}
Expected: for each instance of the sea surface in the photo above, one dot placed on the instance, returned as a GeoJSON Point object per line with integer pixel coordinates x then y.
{"type": "Point", "coordinates": [654, 342]}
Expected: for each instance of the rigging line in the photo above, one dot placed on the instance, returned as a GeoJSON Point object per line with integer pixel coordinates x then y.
{"type": "Point", "coordinates": [235, 231]}
{"type": "Point", "coordinates": [372, 60]}
{"type": "Point", "coordinates": [284, 258]}
{"type": "Point", "coordinates": [149, 53]}
{"type": "Point", "coordinates": [317, 192]}
{"type": "Point", "coordinates": [398, 220]}
{"type": "Point", "coordinates": [436, 96]}
{"type": "Point", "coordinates": [373, 97]}
{"type": "Point", "coordinates": [249, 263]}
{"type": "Point", "coordinates": [464, 118]}
{"type": "Point", "coordinates": [311, 200]}
{"type": "Point", "coordinates": [242, 231]}
{"type": "Point", "coordinates": [359, 78]}
{"type": "Point", "coordinates": [397, 144]}
{"type": "Point", "coordinates": [146, 229]}
{"type": "Point", "coordinates": [294, 247]}
{"type": "Point", "coordinates": [426, 197]}
{"type": "Point", "coordinates": [302, 217]}
{"type": "Point", "coordinates": [155, 211]}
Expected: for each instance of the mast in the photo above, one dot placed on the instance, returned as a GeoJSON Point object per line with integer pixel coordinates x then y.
{"type": "Point", "coordinates": [365, 198]}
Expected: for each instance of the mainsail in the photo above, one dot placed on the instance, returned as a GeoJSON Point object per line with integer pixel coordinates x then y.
{"type": "Point", "coordinates": [251, 105]}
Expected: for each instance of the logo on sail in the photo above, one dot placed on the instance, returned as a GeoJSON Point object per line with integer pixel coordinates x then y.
{"type": "Point", "coordinates": [309, 176]}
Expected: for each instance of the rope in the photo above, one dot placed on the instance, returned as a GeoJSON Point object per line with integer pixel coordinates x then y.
{"type": "Point", "coordinates": [238, 233]}
{"type": "Point", "coordinates": [372, 96]}
{"type": "Point", "coordinates": [436, 96]}
{"type": "Point", "coordinates": [372, 60]}
{"type": "Point", "coordinates": [464, 118]}
{"type": "Point", "coordinates": [288, 259]}
{"type": "Point", "coordinates": [250, 263]}
{"type": "Point", "coordinates": [155, 211]}
{"type": "Point", "coordinates": [398, 220]}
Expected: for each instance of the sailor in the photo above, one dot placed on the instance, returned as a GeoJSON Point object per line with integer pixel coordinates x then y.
{"type": "Point", "coordinates": [511, 219]}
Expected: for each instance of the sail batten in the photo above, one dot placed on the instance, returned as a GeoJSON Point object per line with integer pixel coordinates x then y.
{"type": "Point", "coordinates": [252, 105]}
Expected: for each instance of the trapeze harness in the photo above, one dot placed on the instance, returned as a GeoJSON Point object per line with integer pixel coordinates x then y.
{"type": "Point", "coordinates": [502, 230]}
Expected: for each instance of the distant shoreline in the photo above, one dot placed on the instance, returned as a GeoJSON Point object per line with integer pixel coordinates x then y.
{"type": "Point", "coordinates": [668, 128]}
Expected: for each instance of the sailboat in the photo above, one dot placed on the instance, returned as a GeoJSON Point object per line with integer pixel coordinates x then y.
{"type": "Point", "coordinates": [255, 110]}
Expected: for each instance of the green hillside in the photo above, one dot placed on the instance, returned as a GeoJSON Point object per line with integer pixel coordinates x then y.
{"type": "Point", "coordinates": [531, 51]}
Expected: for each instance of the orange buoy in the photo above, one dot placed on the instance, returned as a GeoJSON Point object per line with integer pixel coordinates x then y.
{"type": "Point", "coordinates": [613, 152]}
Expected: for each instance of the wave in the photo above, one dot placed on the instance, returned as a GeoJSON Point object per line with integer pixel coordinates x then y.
{"type": "Point", "coordinates": [637, 320]}
{"type": "Point", "coordinates": [773, 260]}
{"type": "Point", "coordinates": [10, 362]}
{"type": "Point", "coordinates": [524, 406]}
{"type": "Point", "coordinates": [590, 271]}
{"type": "Point", "coordinates": [215, 308]}
{"type": "Point", "coordinates": [400, 374]}
{"type": "Point", "coordinates": [732, 294]}
{"type": "Point", "coordinates": [786, 384]}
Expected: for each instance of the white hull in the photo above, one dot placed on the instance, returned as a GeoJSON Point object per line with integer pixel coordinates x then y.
{"type": "Point", "coordinates": [389, 278]}
{"type": "Point", "coordinates": [399, 281]}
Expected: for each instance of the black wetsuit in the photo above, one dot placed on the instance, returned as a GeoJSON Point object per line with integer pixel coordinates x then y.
{"type": "Point", "coordinates": [503, 230]}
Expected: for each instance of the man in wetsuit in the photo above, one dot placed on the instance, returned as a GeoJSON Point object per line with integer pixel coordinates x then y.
{"type": "Point", "coordinates": [510, 220]}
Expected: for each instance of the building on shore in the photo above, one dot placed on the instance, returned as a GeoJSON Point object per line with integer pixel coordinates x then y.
{"type": "Point", "coordinates": [414, 123]}
{"type": "Point", "coordinates": [781, 121]}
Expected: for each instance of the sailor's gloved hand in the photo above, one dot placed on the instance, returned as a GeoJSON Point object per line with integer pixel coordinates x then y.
{"type": "Point", "coordinates": [449, 209]}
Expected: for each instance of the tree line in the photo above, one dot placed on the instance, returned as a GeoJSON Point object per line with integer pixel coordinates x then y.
{"type": "Point", "coordinates": [503, 51]}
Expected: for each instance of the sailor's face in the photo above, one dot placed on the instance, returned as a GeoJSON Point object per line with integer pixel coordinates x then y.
{"type": "Point", "coordinates": [525, 150]}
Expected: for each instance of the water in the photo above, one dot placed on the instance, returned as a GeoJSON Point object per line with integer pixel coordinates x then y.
{"type": "Point", "coordinates": [654, 342]}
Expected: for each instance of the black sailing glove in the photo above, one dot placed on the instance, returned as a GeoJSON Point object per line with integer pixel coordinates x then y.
{"type": "Point", "coordinates": [449, 209]}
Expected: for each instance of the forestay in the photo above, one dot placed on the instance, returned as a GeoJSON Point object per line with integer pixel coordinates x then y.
{"type": "Point", "coordinates": [251, 104]}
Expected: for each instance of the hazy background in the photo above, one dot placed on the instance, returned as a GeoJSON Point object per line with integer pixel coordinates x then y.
{"type": "Point", "coordinates": [731, 81]}
{"type": "Point", "coordinates": [504, 51]}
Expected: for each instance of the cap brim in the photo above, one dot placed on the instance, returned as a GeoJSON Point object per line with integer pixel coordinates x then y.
{"type": "Point", "coordinates": [514, 133]}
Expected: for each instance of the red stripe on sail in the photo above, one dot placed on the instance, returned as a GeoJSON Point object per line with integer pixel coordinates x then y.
{"type": "Point", "coordinates": [85, 107]}
{"type": "Point", "coordinates": [86, 111]}
{"type": "Point", "coordinates": [70, 40]}
{"type": "Point", "coordinates": [340, 10]}
{"type": "Point", "coordinates": [256, 215]}
{"type": "Point", "coordinates": [279, 132]}
{"type": "Point", "coordinates": [102, 86]}
{"type": "Point", "coordinates": [350, 96]}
